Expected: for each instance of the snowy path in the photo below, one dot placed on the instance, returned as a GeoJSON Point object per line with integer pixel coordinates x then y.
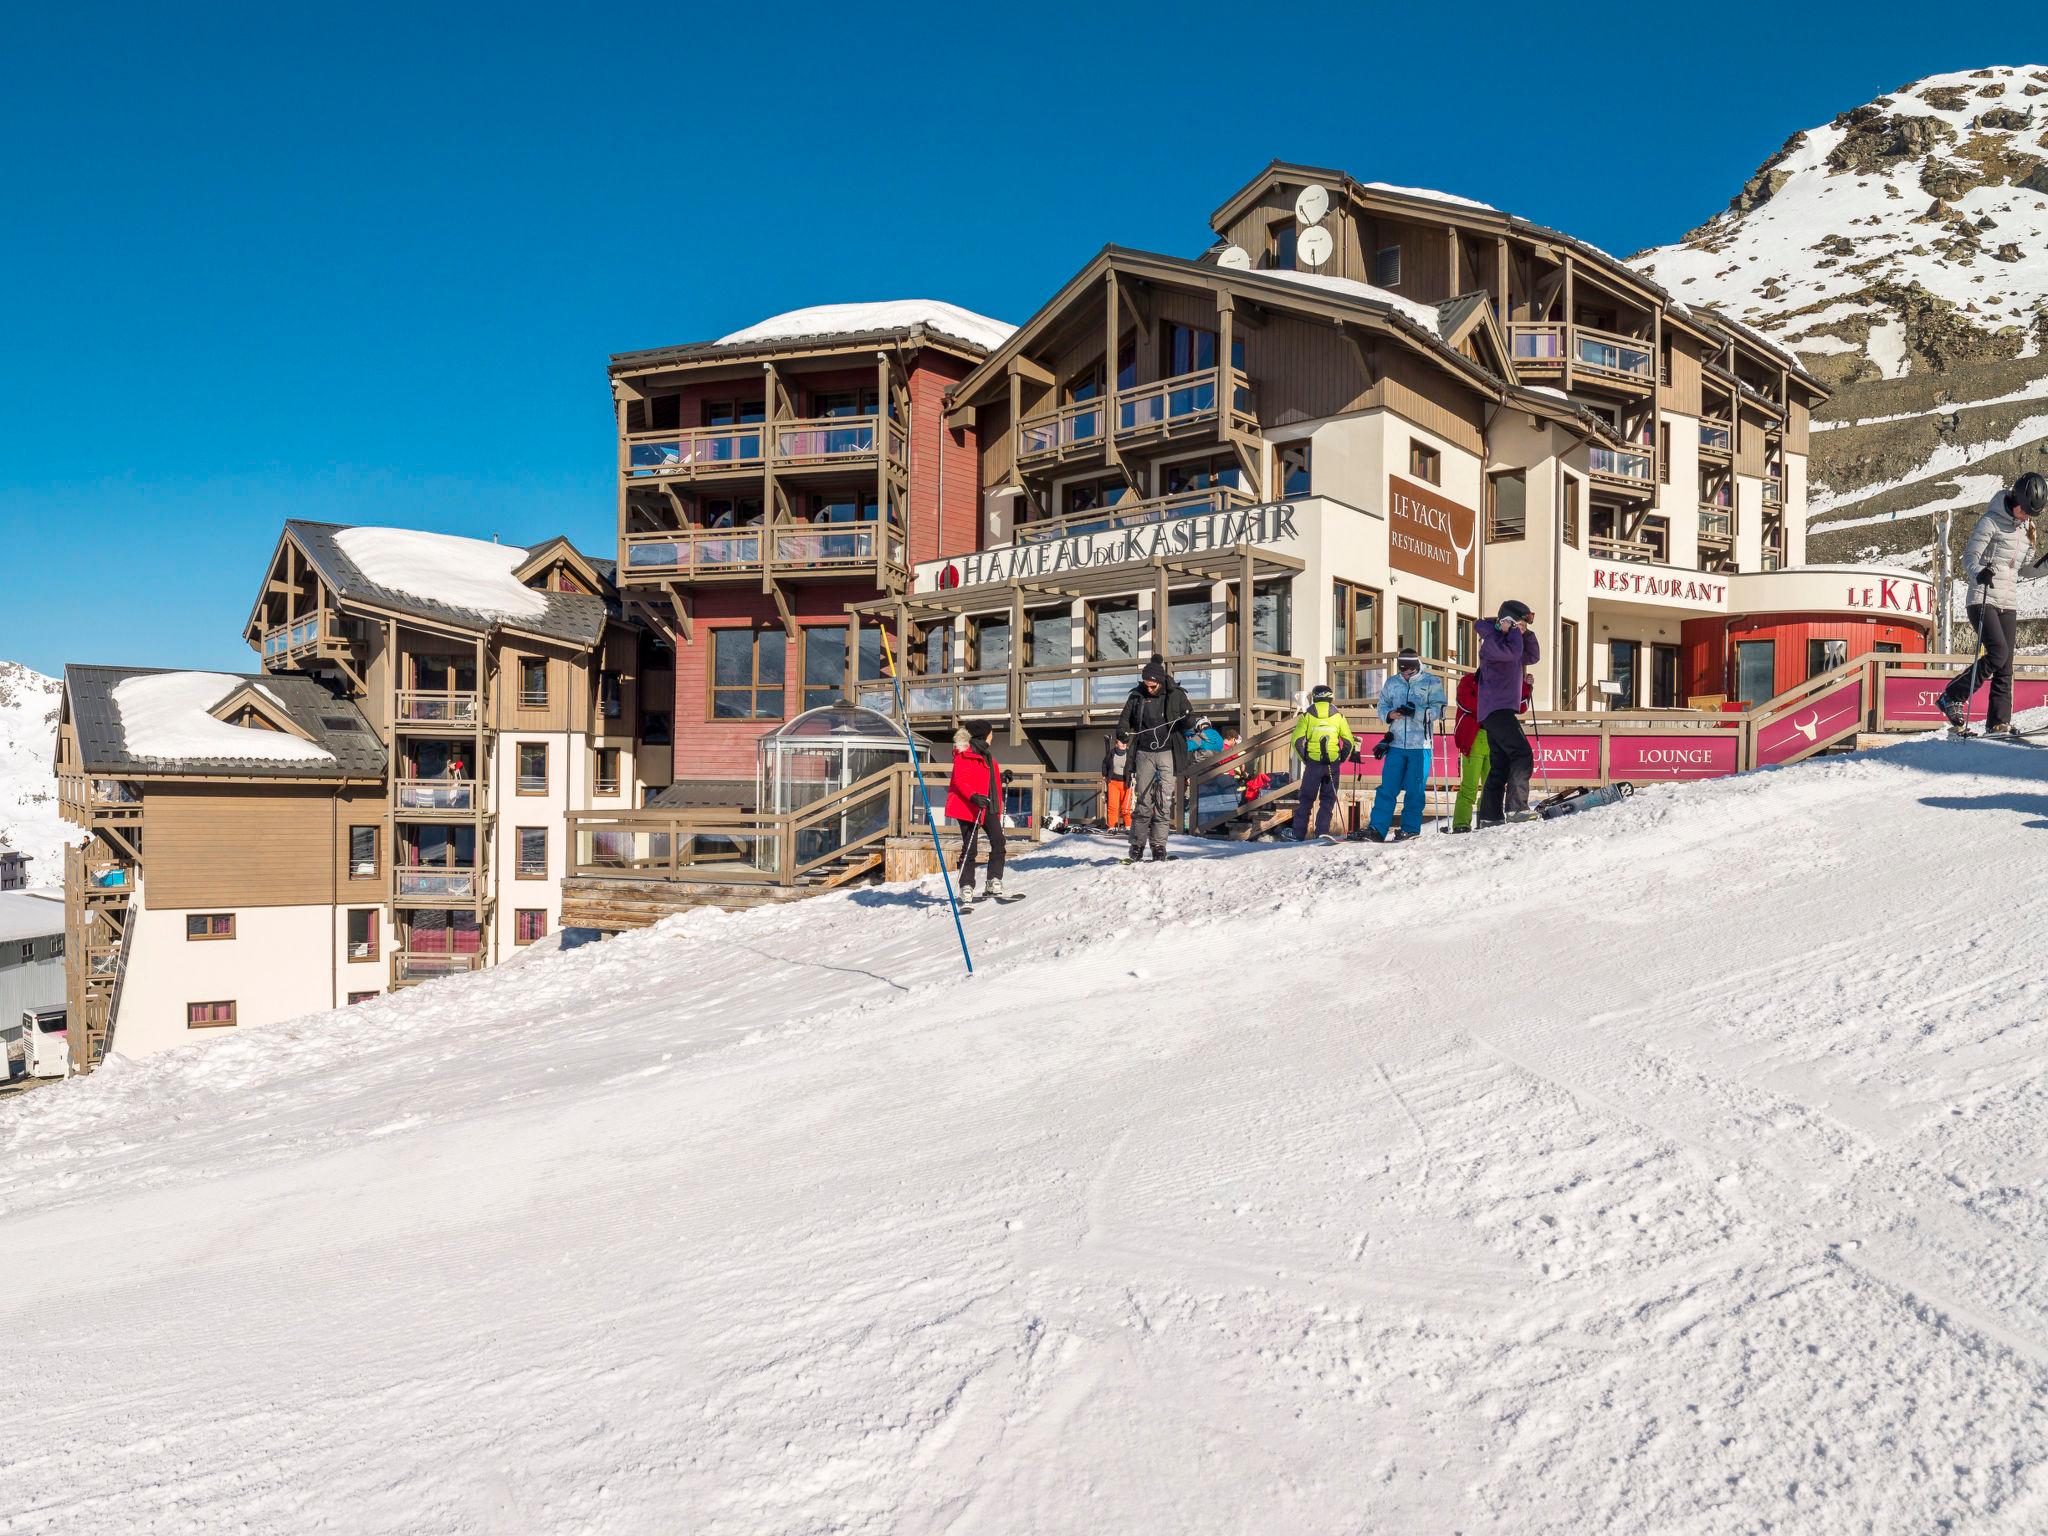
{"type": "Point", "coordinates": [1630, 1173]}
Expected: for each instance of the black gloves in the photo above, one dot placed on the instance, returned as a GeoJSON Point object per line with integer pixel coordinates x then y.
{"type": "Point", "coordinates": [979, 802]}
{"type": "Point", "coordinates": [1984, 577]}
{"type": "Point", "coordinates": [1380, 747]}
{"type": "Point", "coordinates": [1404, 711]}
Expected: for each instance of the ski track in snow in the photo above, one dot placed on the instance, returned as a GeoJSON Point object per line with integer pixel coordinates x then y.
{"type": "Point", "coordinates": [1626, 1173]}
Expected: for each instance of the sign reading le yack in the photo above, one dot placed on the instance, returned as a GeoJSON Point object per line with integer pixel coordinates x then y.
{"type": "Point", "coordinates": [1202, 534]}
{"type": "Point", "coordinates": [1431, 535]}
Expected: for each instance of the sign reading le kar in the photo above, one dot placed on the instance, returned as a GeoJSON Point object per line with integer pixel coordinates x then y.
{"type": "Point", "coordinates": [1431, 535]}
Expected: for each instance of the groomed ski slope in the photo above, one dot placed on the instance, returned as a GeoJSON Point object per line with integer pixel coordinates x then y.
{"type": "Point", "coordinates": [1677, 1168]}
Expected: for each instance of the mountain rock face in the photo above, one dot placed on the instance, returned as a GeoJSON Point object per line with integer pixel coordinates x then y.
{"type": "Point", "coordinates": [1902, 252]}
{"type": "Point", "coordinates": [29, 822]}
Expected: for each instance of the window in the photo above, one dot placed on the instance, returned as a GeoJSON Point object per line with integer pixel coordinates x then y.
{"type": "Point", "coordinates": [1049, 638]}
{"type": "Point", "coordinates": [529, 925]}
{"type": "Point", "coordinates": [1567, 664]}
{"type": "Point", "coordinates": [843, 507]}
{"type": "Point", "coordinates": [1882, 648]}
{"type": "Point", "coordinates": [533, 767]}
{"type": "Point", "coordinates": [1663, 453]}
{"type": "Point", "coordinates": [1280, 247]}
{"type": "Point", "coordinates": [362, 933]}
{"type": "Point", "coordinates": [664, 413]}
{"type": "Point", "coordinates": [1756, 670]}
{"type": "Point", "coordinates": [1621, 668]}
{"type": "Point", "coordinates": [746, 673]}
{"type": "Point", "coordinates": [1825, 656]}
{"type": "Point", "coordinates": [1507, 507]}
{"type": "Point", "coordinates": [1354, 619]}
{"type": "Point", "coordinates": [1295, 477]}
{"type": "Point", "coordinates": [932, 648]}
{"type": "Point", "coordinates": [824, 664]}
{"type": "Point", "coordinates": [1663, 677]}
{"type": "Point", "coordinates": [731, 512]}
{"type": "Point", "coordinates": [1571, 511]}
{"type": "Point", "coordinates": [1424, 462]}
{"type": "Point", "coordinates": [655, 653]}
{"type": "Point", "coordinates": [209, 925]}
{"type": "Point", "coordinates": [1118, 628]}
{"type": "Point", "coordinates": [988, 642]}
{"type": "Point", "coordinates": [1273, 618]}
{"type": "Point", "coordinates": [533, 682]}
{"type": "Point", "coordinates": [533, 854]}
{"type": "Point", "coordinates": [359, 997]}
{"type": "Point", "coordinates": [732, 413]}
{"type": "Point", "coordinates": [57, 943]}
{"type": "Point", "coordinates": [607, 774]}
{"type": "Point", "coordinates": [654, 728]}
{"type": "Point", "coordinates": [844, 402]}
{"type": "Point", "coordinates": [1422, 628]}
{"type": "Point", "coordinates": [26, 952]}
{"type": "Point", "coordinates": [1190, 623]}
{"type": "Point", "coordinates": [1386, 267]}
{"type": "Point", "coordinates": [1204, 474]}
{"type": "Point", "coordinates": [209, 1015]}
{"type": "Point", "coordinates": [1468, 643]}
{"type": "Point", "coordinates": [362, 853]}
{"type": "Point", "coordinates": [1664, 360]}
{"type": "Point", "coordinates": [1087, 495]}
{"type": "Point", "coordinates": [611, 694]}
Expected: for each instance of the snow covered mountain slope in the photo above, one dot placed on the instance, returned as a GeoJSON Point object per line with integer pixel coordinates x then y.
{"type": "Point", "coordinates": [29, 822]}
{"type": "Point", "coordinates": [1902, 251]}
{"type": "Point", "coordinates": [1610, 1174]}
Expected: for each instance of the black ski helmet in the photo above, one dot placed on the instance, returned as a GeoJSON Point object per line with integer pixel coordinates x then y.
{"type": "Point", "coordinates": [1320, 694]}
{"type": "Point", "coordinates": [1516, 612]}
{"type": "Point", "coordinates": [2030, 494]}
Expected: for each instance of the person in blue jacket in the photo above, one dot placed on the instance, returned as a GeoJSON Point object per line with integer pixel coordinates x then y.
{"type": "Point", "coordinates": [1412, 704]}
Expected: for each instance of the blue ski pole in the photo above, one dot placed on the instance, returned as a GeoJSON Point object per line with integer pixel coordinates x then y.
{"type": "Point", "coordinates": [931, 822]}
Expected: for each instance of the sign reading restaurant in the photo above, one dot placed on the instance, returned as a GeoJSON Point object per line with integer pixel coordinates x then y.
{"type": "Point", "coordinates": [1430, 535]}
{"type": "Point", "coordinates": [1202, 534]}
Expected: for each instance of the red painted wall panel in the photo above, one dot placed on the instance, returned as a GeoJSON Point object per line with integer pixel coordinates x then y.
{"type": "Point", "coordinates": [1709, 645]}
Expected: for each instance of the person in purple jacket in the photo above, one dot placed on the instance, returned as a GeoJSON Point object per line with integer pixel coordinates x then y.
{"type": "Point", "coordinates": [1507, 650]}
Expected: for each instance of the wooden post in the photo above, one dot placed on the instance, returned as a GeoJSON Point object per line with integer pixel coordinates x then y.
{"type": "Point", "coordinates": [1503, 308]}
{"type": "Point", "coordinates": [1160, 601]}
{"type": "Point", "coordinates": [771, 493]}
{"type": "Point", "coordinates": [1109, 371]}
{"type": "Point", "coordinates": [1226, 336]}
{"type": "Point", "coordinates": [1247, 646]}
{"type": "Point", "coordinates": [881, 432]}
{"type": "Point", "coordinates": [1571, 345]}
{"type": "Point", "coordinates": [1016, 666]}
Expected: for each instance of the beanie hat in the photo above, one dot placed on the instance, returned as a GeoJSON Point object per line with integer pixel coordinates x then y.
{"type": "Point", "coordinates": [1516, 611]}
{"type": "Point", "coordinates": [978, 730]}
{"type": "Point", "coordinates": [1155, 671]}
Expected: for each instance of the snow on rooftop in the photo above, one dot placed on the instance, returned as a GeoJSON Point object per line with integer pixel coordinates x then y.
{"type": "Point", "coordinates": [165, 714]}
{"type": "Point", "coordinates": [444, 568]}
{"type": "Point", "coordinates": [882, 315]}
{"type": "Point", "coordinates": [1432, 194]}
{"type": "Point", "coordinates": [29, 915]}
{"type": "Point", "coordinates": [1423, 315]}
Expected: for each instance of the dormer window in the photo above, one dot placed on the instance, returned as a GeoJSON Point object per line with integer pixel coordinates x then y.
{"type": "Point", "coordinates": [1386, 267]}
{"type": "Point", "coordinates": [1280, 256]}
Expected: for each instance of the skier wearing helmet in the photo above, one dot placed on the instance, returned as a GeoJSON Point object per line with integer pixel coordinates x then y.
{"type": "Point", "coordinates": [1412, 704]}
{"type": "Point", "coordinates": [1323, 741]}
{"type": "Point", "coordinates": [1506, 652]}
{"type": "Point", "coordinates": [2000, 552]}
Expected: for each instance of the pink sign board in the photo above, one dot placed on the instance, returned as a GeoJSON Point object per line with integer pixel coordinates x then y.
{"type": "Point", "coordinates": [1566, 756]}
{"type": "Point", "coordinates": [1657, 756]}
{"type": "Point", "coordinates": [1916, 696]}
{"type": "Point", "coordinates": [1446, 763]}
{"type": "Point", "coordinates": [1813, 724]}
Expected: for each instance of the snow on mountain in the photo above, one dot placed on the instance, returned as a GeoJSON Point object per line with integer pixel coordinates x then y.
{"type": "Point", "coordinates": [1901, 251]}
{"type": "Point", "coordinates": [1605, 1174]}
{"type": "Point", "coordinates": [29, 822]}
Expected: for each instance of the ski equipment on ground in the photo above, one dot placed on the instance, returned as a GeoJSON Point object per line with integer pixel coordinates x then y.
{"type": "Point", "coordinates": [1571, 801]}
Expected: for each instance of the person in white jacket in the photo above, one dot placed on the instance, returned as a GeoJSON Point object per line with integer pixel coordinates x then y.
{"type": "Point", "coordinates": [1999, 554]}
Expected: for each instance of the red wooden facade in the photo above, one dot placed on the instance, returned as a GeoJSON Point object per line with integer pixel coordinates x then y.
{"type": "Point", "coordinates": [1710, 655]}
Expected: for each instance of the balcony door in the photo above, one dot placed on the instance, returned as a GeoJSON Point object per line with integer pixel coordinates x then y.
{"type": "Point", "coordinates": [443, 674]}
{"type": "Point", "coordinates": [425, 846]}
{"type": "Point", "coordinates": [1624, 659]}
{"type": "Point", "coordinates": [1664, 677]}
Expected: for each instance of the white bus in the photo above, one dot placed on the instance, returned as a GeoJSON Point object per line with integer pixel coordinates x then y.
{"type": "Point", "coordinates": [45, 1045]}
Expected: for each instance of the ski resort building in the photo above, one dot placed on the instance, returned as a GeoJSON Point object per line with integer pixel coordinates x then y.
{"type": "Point", "coordinates": [384, 803]}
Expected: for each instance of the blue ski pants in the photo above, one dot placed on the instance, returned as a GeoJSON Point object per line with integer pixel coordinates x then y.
{"type": "Point", "coordinates": [1405, 775]}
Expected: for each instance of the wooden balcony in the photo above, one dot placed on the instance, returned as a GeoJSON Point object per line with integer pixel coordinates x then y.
{"type": "Point", "coordinates": [411, 967]}
{"type": "Point", "coordinates": [1717, 523]}
{"type": "Point", "coordinates": [315, 635]}
{"type": "Point", "coordinates": [1089, 690]}
{"type": "Point", "coordinates": [1543, 348]}
{"type": "Point", "coordinates": [423, 798]}
{"type": "Point", "coordinates": [737, 452]}
{"type": "Point", "coordinates": [88, 802]}
{"type": "Point", "coordinates": [422, 709]}
{"type": "Point", "coordinates": [791, 551]}
{"type": "Point", "coordinates": [1135, 514]}
{"type": "Point", "coordinates": [438, 885]}
{"type": "Point", "coordinates": [1717, 440]}
{"type": "Point", "coordinates": [1207, 404]}
{"type": "Point", "coordinates": [1634, 551]}
{"type": "Point", "coordinates": [1774, 492]}
{"type": "Point", "coordinates": [1632, 468]}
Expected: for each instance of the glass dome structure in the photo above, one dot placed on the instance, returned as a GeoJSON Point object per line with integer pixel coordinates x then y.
{"type": "Point", "coordinates": [823, 751]}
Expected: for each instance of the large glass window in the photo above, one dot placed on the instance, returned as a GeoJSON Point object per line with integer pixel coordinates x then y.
{"type": "Point", "coordinates": [532, 862]}
{"type": "Point", "coordinates": [1567, 664]}
{"type": "Point", "coordinates": [1273, 618]}
{"type": "Point", "coordinates": [1825, 656]}
{"type": "Point", "coordinates": [1296, 460]}
{"type": "Point", "coordinates": [1354, 619]}
{"type": "Point", "coordinates": [746, 673]}
{"type": "Point", "coordinates": [824, 664]}
{"type": "Point", "coordinates": [1119, 629]}
{"type": "Point", "coordinates": [1190, 624]}
{"type": "Point", "coordinates": [1663, 677]}
{"type": "Point", "coordinates": [362, 933]}
{"type": "Point", "coordinates": [1507, 507]}
{"type": "Point", "coordinates": [933, 645]}
{"type": "Point", "coordinates": [845, 402]}
{"type": "Point", "coordinates": [1220, 469]}
{"type": "Point", "coordinates": [1622, 665]}
{"type": "Point", "coordinates": [1190, 349]}
{"type": "Point", "coordinates": [991, 642]}
{"type": "Point", "coordinates": [1422, 628]}
{"type": "Point", "coordinates": [730, 413]}
{"type": "Point", "coordinates": [1756, 671]}
{"type": "Point", "coordinates": [1051, 638]}
{"type": "Point", "coordinates": [533, 768]}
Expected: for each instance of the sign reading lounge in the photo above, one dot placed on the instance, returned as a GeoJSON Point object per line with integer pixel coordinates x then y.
{"type": "Point", "coordinates": [1202, 534]}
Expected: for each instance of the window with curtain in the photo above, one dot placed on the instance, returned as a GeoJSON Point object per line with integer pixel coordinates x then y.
{"type": "Point", "coordinates": [747, 673]}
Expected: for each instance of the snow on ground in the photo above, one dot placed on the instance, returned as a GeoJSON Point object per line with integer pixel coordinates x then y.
{"type": "Point", "coordinates": [444, 568]}
{"type": "Point", "coordinates": [29, 820]}
{"type": "Point", "coordinates": [1968, 499]}
{"type": "Point", "coordinates": [165, 715]}
{"type": "Point", "coordinates": [1424, 315]}
{"type": "Point", "coordinates": [884, 315]}
{"type": "Point", "coordinates": [1673, 1168]}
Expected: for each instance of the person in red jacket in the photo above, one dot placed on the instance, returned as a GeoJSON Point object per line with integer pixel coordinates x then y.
{"type": "Point", "coordinates": [1474, 748]}
{"type": "Point", "coordinates": [974, 798]}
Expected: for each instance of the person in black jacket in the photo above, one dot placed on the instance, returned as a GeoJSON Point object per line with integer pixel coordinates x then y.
{"type": "Point", "coordinates": [1116, 785]}
{"type": "Point", "coordinates": [1154, 729]}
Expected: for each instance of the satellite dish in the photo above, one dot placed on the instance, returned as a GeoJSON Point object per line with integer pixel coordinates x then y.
{"type": "Point", "coordinates": [1312, 204]}
{"type": "Point", "coordinates": [1235, 257]}
{"type": "Point", "coordinates": [1313, 248]}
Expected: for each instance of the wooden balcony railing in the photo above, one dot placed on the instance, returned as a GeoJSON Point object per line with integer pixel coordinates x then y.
{"type": "Point", "coordinates": [447, 708]}
{"type": "Point", "coordinates": [1164, 407]}
{"type": "Point", "coordinates": [1357, 680]}
{"type": "Point", "coordinates": [311, 633]}
{"type": "Point", "coordinates": [794, 549]}
{"type": "Point", "coordinates": [1089, 688]}
{"type": "Point", "coordinates": [88, 802]}
{"type": "Point", "coordinates": [1134, 513]}
{"type": "Point", "coordinates": [1774, 493]}
{"type": "Point", "coordinates": [1635, 551]}
{"type": "Point", "coordinates": [695, 451]}
{"type": "Point", "coordinates": [805, 442]}
{"type": "Point", "coordinates": [1066, 430]}
{"type": "Point", "coordinates": [1717, 523]}
{"type": "Point", "coordinates": [410, 967]}
{"type": "Point", "coordinates": [435, 795]}
{"type": "Point", "coordinates": [1544, 346]}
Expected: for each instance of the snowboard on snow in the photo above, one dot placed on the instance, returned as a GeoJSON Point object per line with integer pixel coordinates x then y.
{"type": "Point", "coordinates": [1572, 801]}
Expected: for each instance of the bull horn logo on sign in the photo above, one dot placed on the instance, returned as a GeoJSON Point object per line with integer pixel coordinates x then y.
{"type": "Point", "coordinates": [1810, 729]}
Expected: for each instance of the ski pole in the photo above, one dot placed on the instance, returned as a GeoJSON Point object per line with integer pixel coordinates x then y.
{"type": "Point", "coordinates": [931, 822]}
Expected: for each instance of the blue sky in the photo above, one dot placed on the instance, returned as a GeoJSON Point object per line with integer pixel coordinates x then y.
{"type": "Point", "coordinates": [366, 263]}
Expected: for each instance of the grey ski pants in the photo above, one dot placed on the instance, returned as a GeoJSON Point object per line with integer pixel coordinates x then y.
{"type": "Point", "coordinates": [1152, 787]}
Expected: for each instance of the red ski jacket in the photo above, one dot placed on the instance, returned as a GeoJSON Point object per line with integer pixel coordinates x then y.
{"type": "Point", "coordinates": [973, 775]}
{"type": "Point", "coordinates": [1467, 730]}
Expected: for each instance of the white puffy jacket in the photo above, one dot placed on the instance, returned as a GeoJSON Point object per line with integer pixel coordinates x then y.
{"type": "Point", "coordinates": [2003, 545]}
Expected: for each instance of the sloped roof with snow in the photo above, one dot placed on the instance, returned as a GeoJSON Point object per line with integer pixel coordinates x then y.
{"type": "Point", "coordinates": [1424, 315]}
{"type": "Point", "coordinates": [827, 324]}
{"type": "Point", "coordinates": [153, 720]}
{"type": "Point", "coordinates": [466, 583]}
{"type": "Point", "coordinates": [30, 915]}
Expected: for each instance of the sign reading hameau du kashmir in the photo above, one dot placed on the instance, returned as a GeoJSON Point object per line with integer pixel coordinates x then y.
{"type": "Point", "coordinates": [1203, 534]}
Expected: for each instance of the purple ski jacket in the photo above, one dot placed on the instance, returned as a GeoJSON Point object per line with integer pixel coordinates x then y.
{"type": "Point", "coordinates": [1503, 653]}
